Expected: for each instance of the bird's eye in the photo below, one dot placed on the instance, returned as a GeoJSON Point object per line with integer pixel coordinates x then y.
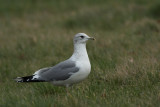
{"type": "Point", "coordinates": [82, 37]}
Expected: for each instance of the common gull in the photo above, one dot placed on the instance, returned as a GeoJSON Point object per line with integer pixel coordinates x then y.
{"type": "Point", "coordinates": [71, 71]}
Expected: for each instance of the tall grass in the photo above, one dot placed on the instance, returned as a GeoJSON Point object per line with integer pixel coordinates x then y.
{"type": "Point", "coordinates": [125, 57]}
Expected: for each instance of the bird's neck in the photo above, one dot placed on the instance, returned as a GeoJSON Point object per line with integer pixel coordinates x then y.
{"type": "Point", "coordinates": [80, 52]}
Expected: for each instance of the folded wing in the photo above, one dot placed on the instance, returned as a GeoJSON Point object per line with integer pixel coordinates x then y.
{"type": "Point", "coordinates": [61, 71]}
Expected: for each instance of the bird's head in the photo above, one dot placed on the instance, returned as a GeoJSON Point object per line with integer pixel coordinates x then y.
{"type": "Point", "coordinates": [81, 38]}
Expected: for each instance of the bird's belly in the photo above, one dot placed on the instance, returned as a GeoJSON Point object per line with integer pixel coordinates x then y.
{"type": "Point", "coordinates": [83, 72]}
{"type": "Point", "coordinates": [79, 76]}
{"type": "Point", "coordinates": [74, 78]}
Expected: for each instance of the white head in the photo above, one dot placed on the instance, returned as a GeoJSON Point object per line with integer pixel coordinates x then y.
{"type": "Point", "coordinates": [82, 38]}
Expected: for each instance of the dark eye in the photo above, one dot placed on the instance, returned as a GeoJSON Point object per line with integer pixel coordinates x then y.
{"type": "Point", "coordinates": [82, 37]}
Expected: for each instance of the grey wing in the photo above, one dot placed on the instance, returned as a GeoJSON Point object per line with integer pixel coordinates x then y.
{"type": "Point", "coordinates": [61, 71]}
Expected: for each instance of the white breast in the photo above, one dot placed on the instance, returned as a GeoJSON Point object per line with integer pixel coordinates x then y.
{"type": "Point", "coordinates": [84, 70]}
{"type": "Point", "coordinates": [80, 56]}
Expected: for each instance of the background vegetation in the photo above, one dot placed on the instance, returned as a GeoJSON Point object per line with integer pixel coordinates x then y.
{"type": "Point", "coordinates": [125, 57]}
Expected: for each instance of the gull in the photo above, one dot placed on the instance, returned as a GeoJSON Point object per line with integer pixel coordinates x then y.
{"type": "Point", "coordinates": [69, 72]}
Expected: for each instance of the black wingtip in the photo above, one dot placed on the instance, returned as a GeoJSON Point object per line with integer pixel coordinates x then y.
{"type": "Point", "coordinates": [27, 79]}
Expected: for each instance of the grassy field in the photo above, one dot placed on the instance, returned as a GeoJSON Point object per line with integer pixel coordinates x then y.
{"type": "Point", "coordinates": [125, 57]}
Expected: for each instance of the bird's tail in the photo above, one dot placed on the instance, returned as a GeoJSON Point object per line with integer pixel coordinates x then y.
{"type": "Point", "coordinates": [28, 79]}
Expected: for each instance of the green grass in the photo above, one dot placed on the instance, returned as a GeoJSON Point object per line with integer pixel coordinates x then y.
{"type": "Point", "coordinates": [125, 57]}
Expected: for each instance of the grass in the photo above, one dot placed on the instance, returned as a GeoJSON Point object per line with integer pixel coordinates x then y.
{"type": "Point", "coordinates": [125, 58]}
